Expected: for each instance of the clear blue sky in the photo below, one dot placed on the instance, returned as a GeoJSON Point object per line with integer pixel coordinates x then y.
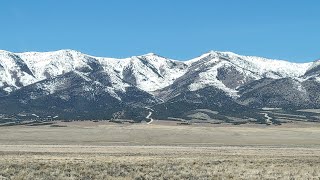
{"type": "Point", "coordinates": [180, 29]}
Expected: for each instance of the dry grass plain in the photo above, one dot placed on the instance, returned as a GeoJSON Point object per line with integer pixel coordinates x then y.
{"type": "Point", "coordinates": [162, 150]}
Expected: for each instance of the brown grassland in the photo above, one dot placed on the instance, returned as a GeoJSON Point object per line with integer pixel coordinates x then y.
{"type": "Point", "coordinates": [162, 150]}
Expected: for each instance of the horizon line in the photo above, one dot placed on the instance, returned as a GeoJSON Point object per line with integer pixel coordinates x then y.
{"type": "Point", "coordinates": [156, 54]}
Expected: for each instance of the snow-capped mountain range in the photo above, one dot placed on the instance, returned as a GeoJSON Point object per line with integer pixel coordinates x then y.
{"type": "Point", "coordinates": [152, 80]}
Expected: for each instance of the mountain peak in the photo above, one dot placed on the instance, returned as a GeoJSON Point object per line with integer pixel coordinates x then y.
{"type": "Point", "coordinates": [68, 51]}
{"type": "Point", "coordinates": [151, 55]}
{"type": "Point", "coordinates": [5, 52]}
{"type": "Point", "coordinates": [57, 52]}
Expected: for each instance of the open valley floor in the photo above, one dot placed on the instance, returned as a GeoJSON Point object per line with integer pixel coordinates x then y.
{"type": "Point", "coordinates": [160, 150]}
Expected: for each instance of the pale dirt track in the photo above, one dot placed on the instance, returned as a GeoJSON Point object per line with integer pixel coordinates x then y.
{"type": "Point", "coordinates": [162, 150]}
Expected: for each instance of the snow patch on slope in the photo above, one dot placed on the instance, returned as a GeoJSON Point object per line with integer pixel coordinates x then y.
{"type": "Point", "coordinates": [250, 66]}
{"type": "Point", "coordinates": [268, 67]}
{"type": "Point", "coordinates": [314, 64]}
{"type": "Point", "coordinates": [151, 72]}
{"type": "Point", "coordinates": [300, 87]}
{"type": "Point", "coordinates": [112, 92]}
{"type": "Point", "coordinates": [51, 87]}
{"type": "Point", "coordinates": [12, 73]}
{"type": "Point", "coordinates": [161, 72]}
{"type": "Point", "coordinates": [51, 64]}
{"type": "Point", "coordinates": [209, 78]}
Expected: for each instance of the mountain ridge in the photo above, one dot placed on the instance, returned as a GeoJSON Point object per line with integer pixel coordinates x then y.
{"type": "Point", "coordinates": [154, 54]}
{"type": "Point", "coordinates": [152, 80]}
{"type": "Point", "coordinates": [71, 55]}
